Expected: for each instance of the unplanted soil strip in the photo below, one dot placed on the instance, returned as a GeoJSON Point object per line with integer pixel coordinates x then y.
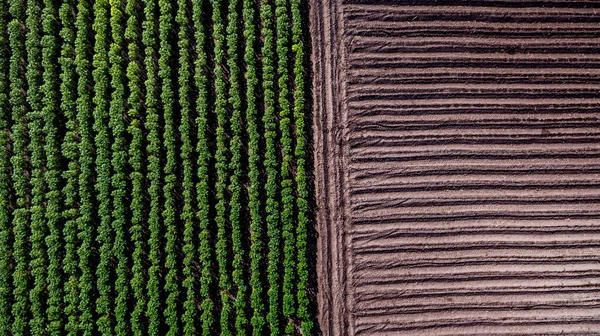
{"type": "Point", "coordinates": [457, 166]}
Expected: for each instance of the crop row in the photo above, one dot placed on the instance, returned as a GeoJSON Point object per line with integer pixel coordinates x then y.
{"type": "Point", "coordinates": [153, 168]}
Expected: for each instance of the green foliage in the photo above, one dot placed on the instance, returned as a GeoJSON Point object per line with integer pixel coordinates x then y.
{"type": "Point", "coordinates": [153, 148]}
{"type": "Point", "coordinates": [221, 157]}
{"type": "Point", "coordinates": [187, 151]}
{"type": "Point", "coordinates": [101, 27]}
{"type": "Point", "coordinates": [119, 190]}
{"type": "Point", "coordinates": [170, 215]}
{"type": "Point", "coordinates": [133, 194]}
{"type": "Point", "coordinates": [136, 162]}
{"type": "Point", "coordinates": [70, 151]}
{"type": "Point", "coordinates": [6, 199]}
{"type": "Point", "coordinates": [205, 252]}
{"type": "Point", "coordinates": [271, 165]}
{"type": "Point", "coordinates": [287, 197]}
{"type": "Point", "coordinates": [235, 166]}
{"type": "Point", "coordinates": [302, 313]}
{"type": "Point", "coordinates": [20, 167]}
{"type": "Point", "coordinates": [86, 221]}
{"type": "Point", "coordinates": [52, 176]}
{"type": "Point", "coordinates": [254, 195]}
{"type": "Point", "coordinates": [39, 262]}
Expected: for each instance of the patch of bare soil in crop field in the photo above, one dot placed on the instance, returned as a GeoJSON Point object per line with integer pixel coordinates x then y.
{"type": "Point", "coordinates": [457, 154]}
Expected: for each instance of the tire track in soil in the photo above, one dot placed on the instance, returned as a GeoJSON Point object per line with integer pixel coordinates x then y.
{"type": "Point", "coordinates": [456, 166]}
{"type": "Point", "coordinates": [330, 195]}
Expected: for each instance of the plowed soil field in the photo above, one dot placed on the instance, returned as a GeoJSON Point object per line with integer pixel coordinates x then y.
{"type": "Point", "coordinates": [457, 152]}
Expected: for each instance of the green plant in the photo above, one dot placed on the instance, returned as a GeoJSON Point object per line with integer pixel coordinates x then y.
{"type": "Point", "coordinates": [205, 252]}
{"type": "Point", "coordinates": [187, 151]}
{"type": "Point", "coordinates": [235, 167]}
{"type": "Point", "coordinates": [70, 151]}
{"type": "Point", "coordinates": [101, 27]}
{"type": "Point", "coordinates": [119, 190]}
{"type": "Point", "coordinates": [287, 197]}
{"type": "Point", "coordinates": [137, 170]}
{"type": "Point", "coordinates": [221, 157]}
{"type": "Point", "coordinates": [271, 164]}
{"type": "Point", "coordinates": [169, 142]}
{"type": "Point", "coordinates": [254, 195]}
{"type": "Point", "coordinates": [87, 219]}
{"type": "Point", "coordinates": [302, 192]}
{"type": "Point", "coordinates": [20, 167]}
{"type": "Point", "coordinates": [153, 148]}
{"type": "Point", "coordinates": [6, 192]}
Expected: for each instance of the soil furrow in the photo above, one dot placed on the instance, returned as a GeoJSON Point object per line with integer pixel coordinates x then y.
{"type": "Point", "coordinates": [457, 166]}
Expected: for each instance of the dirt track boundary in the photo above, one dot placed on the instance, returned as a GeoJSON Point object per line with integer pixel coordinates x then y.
{"type": "Point", "coordinates": [329, 141]}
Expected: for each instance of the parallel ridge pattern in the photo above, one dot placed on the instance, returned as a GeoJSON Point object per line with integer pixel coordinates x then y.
{"type": "Point", "coordinates": [474, 151]}
{"type": "Point", "coordinates": [147, 150]}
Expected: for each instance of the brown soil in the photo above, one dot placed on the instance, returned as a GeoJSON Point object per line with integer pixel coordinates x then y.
{"type": "Point", "coordinates": [457, 163]}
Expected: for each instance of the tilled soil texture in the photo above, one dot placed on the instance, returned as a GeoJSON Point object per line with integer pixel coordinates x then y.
{"type": "Point", "coordinates": [457, 152]}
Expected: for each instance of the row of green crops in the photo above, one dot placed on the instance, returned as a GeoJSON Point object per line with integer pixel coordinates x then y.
{"type": "Point", "coordinates": [153, 168]}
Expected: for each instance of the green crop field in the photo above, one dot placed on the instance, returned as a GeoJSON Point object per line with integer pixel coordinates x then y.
{"type": "Point", "coordinates": [154, 175]}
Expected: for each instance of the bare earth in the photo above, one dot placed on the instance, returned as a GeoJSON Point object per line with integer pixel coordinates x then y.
{"type": "Point", "coordinates": [457, 153]}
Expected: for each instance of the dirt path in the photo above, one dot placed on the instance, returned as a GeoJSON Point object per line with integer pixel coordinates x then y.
{"type": "Point", "coordinates": [457, 154]}
{"type": "Point", "coordinates": [331, 193]}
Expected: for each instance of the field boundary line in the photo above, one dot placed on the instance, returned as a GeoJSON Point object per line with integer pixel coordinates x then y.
{"type": "Point", "coordinates": [330, 141]}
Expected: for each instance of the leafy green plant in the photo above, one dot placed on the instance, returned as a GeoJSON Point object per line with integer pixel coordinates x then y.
{"type": "Point", "coordinates": [137, 172]}
{"type": "Point", "coordinates": [70, 151]}
{"type": "Point", "coordinates": [170, 215]}
{"type": "Point", "coordinates": [101, 27]}
{"type": "Point", "coordinates": [235, 167]}
{"type": "Point", "coordinates": [221, 157]}
{"type": "Point", "coordinates": [20, 167]}
{"type": "Point", "coordinates": [287, 197]}
{"type": "Point", "coordinates": [87, 219]}
{"type": "Point", "coordinates": [152, 168]}
{"type": "Point", "coordinates": [52, 175]}
{"type": "Point", "coordinates": [37, 253]}
{"type": "Point", "coordinates": [254, 158]}
{"type": "Point", "coordinates": [271, 164]}
{"type": "Point", "coordinates": [185, 77]}
{"type": "Point", "coordinates": [153, 149]}
{"type": "Point", "coordinates": [117, 111]}
{"type": "Point", "coordinates": [6, 192]}
{"type": "Point", "coordinates": [302, 193]}
{"type": "Point", "coordinates": [205, 252]}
